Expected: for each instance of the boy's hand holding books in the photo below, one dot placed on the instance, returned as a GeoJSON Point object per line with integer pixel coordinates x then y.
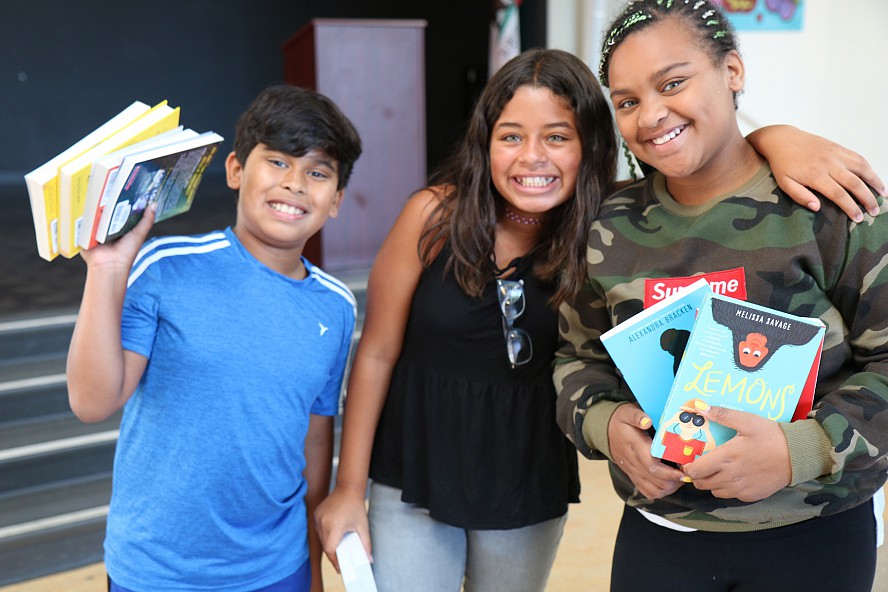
{"type": "Point", "coordinates": [122, 252]}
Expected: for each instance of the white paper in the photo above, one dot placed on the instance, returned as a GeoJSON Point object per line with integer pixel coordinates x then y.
{"type": "Point", "coordinates": [354, 565]}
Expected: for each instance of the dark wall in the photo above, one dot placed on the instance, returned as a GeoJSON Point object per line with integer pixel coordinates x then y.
{"type": "Point", "coordinates": [66, 67]}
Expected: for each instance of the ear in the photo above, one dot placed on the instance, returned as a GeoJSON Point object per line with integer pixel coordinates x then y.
{"type": "Point", "coordinates": [233, 170]}
{"type": "Point", "coordinates": [337, 202]}
{"type": "Point", "coordinates": [736, 71]}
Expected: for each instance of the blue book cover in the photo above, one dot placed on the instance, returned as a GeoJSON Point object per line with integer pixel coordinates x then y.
{"type": "Point", "coordinates": [741, 356]}
{"type": "Point", "coordinates": [647, 348]}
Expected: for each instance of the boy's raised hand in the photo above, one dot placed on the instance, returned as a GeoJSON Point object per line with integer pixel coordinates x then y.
{"type": "Point", "coordinates": [122, 252]}
{"type": "Point", "coordinates": [751, 466]}
{"type": "Point", "coordinates": [101, 374]}
{"type": "Point", "coordinates": [630, 448]}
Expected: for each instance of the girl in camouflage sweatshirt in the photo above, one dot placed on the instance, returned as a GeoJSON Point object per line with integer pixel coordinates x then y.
{"type": "Point", "coordinates": [751, 511]}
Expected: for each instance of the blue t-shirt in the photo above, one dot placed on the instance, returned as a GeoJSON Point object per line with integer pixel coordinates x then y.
{"type": "Point", "coordinates": [208, 486]}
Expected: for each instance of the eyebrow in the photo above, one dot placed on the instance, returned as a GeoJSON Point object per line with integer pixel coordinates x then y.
{"type": "Point", "coordinates": [317, 156]}
{"type": "Point", "coordinates": [325, 162]}
{"type": "Point", "coordinates": [656, 75]}
{"type": "Point", "coordinates": [557, 124]}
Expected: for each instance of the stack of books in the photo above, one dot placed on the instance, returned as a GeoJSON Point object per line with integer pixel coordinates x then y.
{"type": "Point", "coordinates": [96, 190]}
{"type": "Point", "coordinates": [698, 348]}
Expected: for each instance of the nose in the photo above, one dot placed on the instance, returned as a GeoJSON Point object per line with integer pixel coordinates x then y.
{"type": "Point", "coordinates": [534, 151]}
{"type": "Point", "coordinates": [294, 181]}
{"type": "Point", "coordinates": [651, 113]}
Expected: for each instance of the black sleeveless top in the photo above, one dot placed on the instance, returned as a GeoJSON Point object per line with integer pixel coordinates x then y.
{"type": "Point", "coordinates": [464, 434]}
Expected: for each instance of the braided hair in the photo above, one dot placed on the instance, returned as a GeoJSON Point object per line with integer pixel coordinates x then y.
{"type": "Point", "coordinates": [713, 31]}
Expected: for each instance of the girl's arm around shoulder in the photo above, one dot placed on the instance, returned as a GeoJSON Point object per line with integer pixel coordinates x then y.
{"type": "Point", "coordinates": [390, 288]}
{"type": "Point", "coordinates": [803, 162]}
{"type": "Point", "coordinates": [102, 375]}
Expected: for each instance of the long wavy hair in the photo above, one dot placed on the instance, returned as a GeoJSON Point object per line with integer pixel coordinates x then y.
{"type": "Point", "coordinates": [469, 204]}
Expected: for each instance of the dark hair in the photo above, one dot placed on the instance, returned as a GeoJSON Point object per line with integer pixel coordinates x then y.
{"type": "Point", "coordinates": [470, 205]}
{"type": "Point", "coordinates": [296, 121]}
{"type": "Point", "coordinates": [713, 32]}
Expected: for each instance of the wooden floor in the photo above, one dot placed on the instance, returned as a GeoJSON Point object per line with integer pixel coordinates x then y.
{"type": "Point", "coordinates": [583, 561]}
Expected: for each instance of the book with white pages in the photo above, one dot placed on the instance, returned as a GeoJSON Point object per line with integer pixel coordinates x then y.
{"type": "Point", "coordinates": [104, 172]}
{"type": "Point", "coordinates": [354, 565]}
{"type": "Point", "coordinates": [167, 175]}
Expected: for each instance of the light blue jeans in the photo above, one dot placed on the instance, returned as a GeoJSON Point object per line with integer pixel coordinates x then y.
{"type": "Point", "coordinates": [412, 551]}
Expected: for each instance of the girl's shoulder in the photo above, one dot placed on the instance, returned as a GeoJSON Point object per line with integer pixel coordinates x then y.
{"type": "Point", "coordinates": [424, 210]}
{"type": "Point", "coordinates": [429, 207]}
{"type": "Point", "coordinates": [430, 198]}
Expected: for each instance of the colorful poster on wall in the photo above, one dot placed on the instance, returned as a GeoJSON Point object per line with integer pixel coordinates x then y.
{"type": "Point", "coordinates": [764, 15]}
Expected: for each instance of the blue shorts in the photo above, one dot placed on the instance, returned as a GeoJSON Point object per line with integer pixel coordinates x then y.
{"type": "Point", "coordinates": [300, 581]}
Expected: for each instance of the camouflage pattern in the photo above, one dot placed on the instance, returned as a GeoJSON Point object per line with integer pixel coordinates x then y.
{"type": "Point", "coordinates": [810, 264]}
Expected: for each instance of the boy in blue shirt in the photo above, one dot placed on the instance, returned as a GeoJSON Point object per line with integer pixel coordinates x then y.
{"type": "Point", "coordinates": [227, 352]}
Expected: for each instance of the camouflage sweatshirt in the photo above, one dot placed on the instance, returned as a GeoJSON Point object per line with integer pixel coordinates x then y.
{"type": "Point", "coordinates": [805, 263]}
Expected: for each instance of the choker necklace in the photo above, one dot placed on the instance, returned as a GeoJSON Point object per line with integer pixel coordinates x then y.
{"type": "Point", "coordinates": [518, 218]}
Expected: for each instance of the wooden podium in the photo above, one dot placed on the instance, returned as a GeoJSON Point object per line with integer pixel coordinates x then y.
{"type": "Point", "coordinates": [375, 71]}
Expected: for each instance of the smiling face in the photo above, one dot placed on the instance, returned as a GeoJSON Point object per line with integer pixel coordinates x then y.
{"type": "Point", "coordinates": [535, 151]}
{"type": "Point", "coordinates": [674, 106]}
{"type": "Point", "coordinates": [282, 200]}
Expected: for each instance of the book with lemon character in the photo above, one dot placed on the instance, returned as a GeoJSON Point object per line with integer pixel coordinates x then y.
{"type": "Point", "coordinates": [740, 356]}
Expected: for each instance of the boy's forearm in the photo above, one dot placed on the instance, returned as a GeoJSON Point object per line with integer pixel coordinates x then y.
{"type": "Point", "coordinates": [101, 376]}
{"type": "Point", "coordinates": [318, 486]}
{"type": "Point", "coordinates": [315, 552]}
{"type": "Point", "coordinates": [95, 365]}
{"type": "Point", "coordinates": [318, 469]}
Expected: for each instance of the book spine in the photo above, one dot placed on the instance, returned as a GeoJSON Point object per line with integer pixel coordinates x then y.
{"type": "Point", "coordinates": [51, 217]}
{"type": "Point", "coordinates": [91, 239]}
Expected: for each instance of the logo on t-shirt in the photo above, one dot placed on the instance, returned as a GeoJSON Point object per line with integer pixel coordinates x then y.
{"type": "Point", "coordinates": [323, 328]}
{"type": "Point", "coordinates": [730, 282]}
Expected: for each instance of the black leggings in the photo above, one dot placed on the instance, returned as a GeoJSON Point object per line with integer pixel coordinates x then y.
{"type": "Point", "coordinates": [835, 553]}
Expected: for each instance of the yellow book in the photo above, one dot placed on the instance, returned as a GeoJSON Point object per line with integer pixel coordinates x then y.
{"type": "Point", "coordinates": [43, 182]}
{"type": "Point", "coordinates": [74, 176]}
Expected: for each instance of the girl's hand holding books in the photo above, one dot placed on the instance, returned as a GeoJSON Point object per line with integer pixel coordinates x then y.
{"type": "Point", "coordinates": [749, 467]}
{"type": "Point", "coordinates": [630, 447]}
{"type": "Point", "coordinates": [343, 511]}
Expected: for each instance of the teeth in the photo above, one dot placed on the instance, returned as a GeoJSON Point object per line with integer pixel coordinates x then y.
{"type": "Point", "coordinates": [535, 181]}
{"type": "Point", "coordinates": [287, 209]}
{"type": "Point", "coordinates": [666, 137]}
